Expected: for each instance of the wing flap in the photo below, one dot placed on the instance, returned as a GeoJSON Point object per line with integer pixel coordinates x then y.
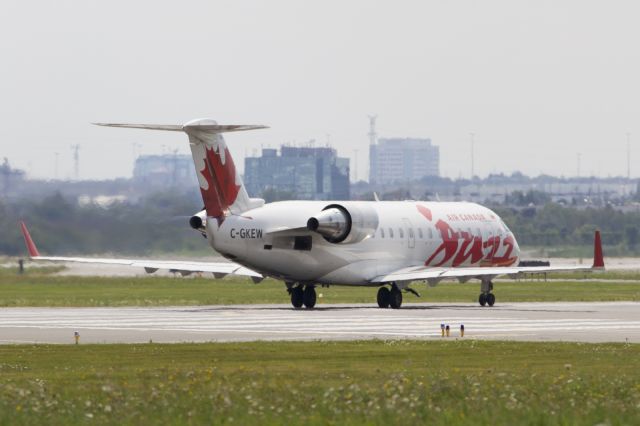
{"type": "Point", "coordinates": [425, 273]}
{"type": "Point", "coordinates": [416, 273]}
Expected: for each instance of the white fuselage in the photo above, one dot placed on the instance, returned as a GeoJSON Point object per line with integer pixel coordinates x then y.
{"type": "Point", "coordinates": [406, 234]}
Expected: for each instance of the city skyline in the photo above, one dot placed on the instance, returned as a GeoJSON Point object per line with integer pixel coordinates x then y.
{"type": "Point", "coordinates": [65, 169]}
{"type": "Point", "coordinates": [537, 84]}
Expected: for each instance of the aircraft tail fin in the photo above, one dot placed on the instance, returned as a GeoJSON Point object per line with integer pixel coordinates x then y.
{"type": "Point", "coordinates": [598, 256]}
{"type": "Point", "coordinates": [28, 241]}
{"type": "Point", "coordinates": [221, 187]}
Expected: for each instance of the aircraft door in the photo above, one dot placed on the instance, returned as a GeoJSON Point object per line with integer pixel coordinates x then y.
{"type": "Point", "coordinates": [411, 235]}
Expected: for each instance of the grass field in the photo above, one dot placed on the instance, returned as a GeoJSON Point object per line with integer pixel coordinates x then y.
{"type": "Point", "coordinates": [373, 382]}
{"type": "Point", "coordinates": [41, 288]}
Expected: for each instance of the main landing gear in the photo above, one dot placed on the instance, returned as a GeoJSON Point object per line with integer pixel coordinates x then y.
{"type": "Point", "coordinates": [303, 296]}
{"type": "Point", "coordinates": [389, 298]}
{"type": "Point", "coordinates": [486, 296]}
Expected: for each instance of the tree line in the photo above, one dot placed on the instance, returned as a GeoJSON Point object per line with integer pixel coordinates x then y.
{"type": "Point", "coordinates": [555, 225]}
{"type": "Point", "coordinates": [159, 223]}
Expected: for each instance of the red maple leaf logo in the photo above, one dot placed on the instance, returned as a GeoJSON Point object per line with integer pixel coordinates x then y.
{"type": "Point", "coordinates": [223, 189]}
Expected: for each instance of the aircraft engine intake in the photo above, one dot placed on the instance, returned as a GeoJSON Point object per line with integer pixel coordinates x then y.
{"type": "Point", "coordinates": [348, 223]}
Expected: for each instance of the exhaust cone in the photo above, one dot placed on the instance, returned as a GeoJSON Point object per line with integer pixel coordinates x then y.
{"type": "Point", "coordinates": [333, 224]}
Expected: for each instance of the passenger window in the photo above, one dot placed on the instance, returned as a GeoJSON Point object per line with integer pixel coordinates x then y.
{"type": "Point", "coordinates": [390, 232]}
{"type": "Point", "coordinates": [401, 232]}
{"type": "Point", "coordinates": [420, 233]}
{"type": "Point", "coordinates": [411, 233]}
{"type": "Point", "coordinates": [381, 232]}
{"type": "Point", "coordinates": [430, 233]}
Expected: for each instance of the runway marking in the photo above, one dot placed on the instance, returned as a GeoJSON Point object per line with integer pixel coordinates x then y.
{"type": "Point", "coordinates": [265, 322]}
{"type": "Point", "coordinates": [316, 324]}
{"type": "Point", "coordinates": [248, 322]}
{"type": "Point", "coordinates": [320, 326]}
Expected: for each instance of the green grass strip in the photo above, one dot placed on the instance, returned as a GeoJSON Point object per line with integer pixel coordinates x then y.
{"type": "Point", "coordinates": [50, 290]}
{"type": "Point", "coordinates": [363, 382]}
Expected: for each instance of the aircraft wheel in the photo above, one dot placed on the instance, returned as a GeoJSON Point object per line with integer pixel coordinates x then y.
{"type": "Point", "coordinates": [491, 299]}
{"type": "Point", "coordinates": [482, 300]}
{"type": "Point", "coordinates": [384, 297]}
{"type": "Point", "coordinates": [395, 298]}
{"type": "Point", "coordinates": [309, 296]}
{"type": "Point", "coordinates": [297, 297]}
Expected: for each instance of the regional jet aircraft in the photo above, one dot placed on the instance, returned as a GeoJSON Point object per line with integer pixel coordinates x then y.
{"type": "Point", "coordinates": [305, 244]}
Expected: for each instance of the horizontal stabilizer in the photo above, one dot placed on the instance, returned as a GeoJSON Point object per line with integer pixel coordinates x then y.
{"type": "Point", "coordinates": [210, 128]}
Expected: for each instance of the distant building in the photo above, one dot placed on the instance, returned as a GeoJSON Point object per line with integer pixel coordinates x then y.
{"type": "Point", "coordinates": [9, 177]}
{"type": "Point", "coordinates": [306, 173]}
{"type": "Point", "coordinates": [165, 170]}
{"type": "Point", "coordinates": [402, 160]}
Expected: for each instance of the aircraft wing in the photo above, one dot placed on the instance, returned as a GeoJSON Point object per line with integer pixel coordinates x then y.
{"type": "Point", "coordinates": [219, 269]}
{"type": "Point", "coordinates": [424, 273]}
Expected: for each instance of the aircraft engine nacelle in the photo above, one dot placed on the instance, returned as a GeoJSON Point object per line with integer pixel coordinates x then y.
{"type": "Point", "coordinates": [347, 224]}
{"type": "Point", "coordinates": [198, 221]}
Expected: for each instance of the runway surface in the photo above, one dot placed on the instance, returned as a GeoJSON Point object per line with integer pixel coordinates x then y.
{"type": "Point", "coordinates": [584, 322]}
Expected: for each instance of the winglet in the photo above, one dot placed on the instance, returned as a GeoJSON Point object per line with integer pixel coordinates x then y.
{"type": "Point", "coordinates": [31, 246]}
{"type": "Point", "coordinates": [598, 257]}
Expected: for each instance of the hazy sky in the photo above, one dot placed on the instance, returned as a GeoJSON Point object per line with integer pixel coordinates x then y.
{"type": "Point", "coordinates": [536, 81]}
